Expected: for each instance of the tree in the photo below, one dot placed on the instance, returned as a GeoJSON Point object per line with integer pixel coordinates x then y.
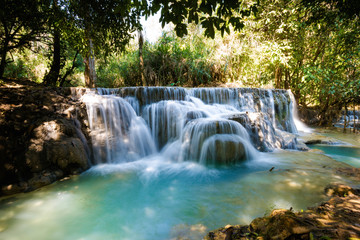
{"type": "Point", "coordinates": [105, 26]}
{"type": "Point", "coordinates": [141, 58]}
{"type": "Point", "coordinates": [21, 23]}
{"type": "Point", "coordinates": [55, 30]}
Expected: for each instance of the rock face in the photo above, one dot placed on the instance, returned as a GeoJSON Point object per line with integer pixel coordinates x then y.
{"type": "Point", "coordinates": [260, 130]}
{"type": "Point", "coordinates": [55, 143]}
{"type": "Point", "coordinates": [337, 218]}
{"type": "Point", "coordinates": [43, 137]}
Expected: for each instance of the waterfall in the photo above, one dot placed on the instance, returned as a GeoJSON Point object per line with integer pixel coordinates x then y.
{"type": "Point", "coordinates": [298, 124]}
{"type": "Point", "coordinates": [207, 125]}
{"type": "Point", "coordinates": [117, 133]}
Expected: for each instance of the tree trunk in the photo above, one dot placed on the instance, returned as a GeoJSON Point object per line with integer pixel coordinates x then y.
{"type": "Point", "coordinates": [287, 79]}
{"type": "Point", "coordinates": [3, 56]}
{"type": "Point", "coordinates": [345, 118]}
{"type": "Point", "coordinates": [52, 77]}
{"type": "Point", "coordinates": [90, 73]}
{"type": "Point", "coordinates": [278, 76]}
{"type": "Point", "coordinates": [69, 71]}
{"type": "Point", "coordinates": [354, 115]}
{"type": "Point", "coordinates": [141, 59]}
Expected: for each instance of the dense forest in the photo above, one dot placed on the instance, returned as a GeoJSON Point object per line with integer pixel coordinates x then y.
{"type": "Point", "coordinates": [310, 47]}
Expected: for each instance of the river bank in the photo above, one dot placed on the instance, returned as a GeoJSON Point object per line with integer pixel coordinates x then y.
{"type": "Point", "coordinates": [43, 138]}
{"type": "Point", "coordinates": [337, 218]}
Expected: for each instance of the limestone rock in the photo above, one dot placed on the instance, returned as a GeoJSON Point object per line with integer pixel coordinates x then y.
{"type": "Point", "coordinates": [43, 137]}
{"type": "Point", "coordinates": [260, 129]}
{"type": "Point", "coordinates": [55, 144]}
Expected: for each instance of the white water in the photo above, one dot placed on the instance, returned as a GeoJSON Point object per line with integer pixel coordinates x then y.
{"type": "Point", "coordinates": [131, 123]}
{"type": "Point", "coordinates": [300, 126]}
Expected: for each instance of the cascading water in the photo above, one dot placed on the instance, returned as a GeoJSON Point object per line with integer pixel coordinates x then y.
{"type": "Point", "coordinates": [299, 125]}
{"type": "Point", "coordinates": [128, 124]}
{"type": "Point", "coordinates": [118, 134]}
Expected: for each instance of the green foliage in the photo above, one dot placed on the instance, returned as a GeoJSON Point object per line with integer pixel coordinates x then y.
{"type": "Point", "coordinates": [21, 23]}
{"type": "Point", "coordinates": [172, 61]}
{"type": "Point", "coordinates": [212, 15]}
{"type": "Point", "coordinates": [107, 23]}
{"type": "Point", "coordinates": [310, 47]}
{"type": "Point", "coordinates": [27, 64]}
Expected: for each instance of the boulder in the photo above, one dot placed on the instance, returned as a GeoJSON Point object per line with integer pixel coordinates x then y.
{"type": "Point", "coordinates": [43, 137]}
{"type": "Point", "coordinates": [282, 224]}
{"type": "Point", "coordinates": [55, 144]}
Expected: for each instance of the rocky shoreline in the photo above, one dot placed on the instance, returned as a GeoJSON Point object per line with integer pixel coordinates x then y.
{"type": "Point", "coordinates": [337, 218]}
{"type": "Point", "coordinates": [44, 136]}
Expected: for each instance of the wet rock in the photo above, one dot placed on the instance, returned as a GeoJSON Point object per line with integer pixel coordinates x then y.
{"type": "Point", "coordinates": [198, 131]}
{"type": "Point", "coordinates": [191, 115]}
{"type": "Point", "coordinates": [264, 136]}
{"type": "Point", "coordinates": [260, 130]}
{"type": "Point", "coordinates": [230, 232]}
{"type": "Point", "coordinates": [318, 139]}
{"type": "Point", "coordinates": [351, 172]}
{"type": "Point", "coordinates": [225, 150]}
{"type": "Point", "coordinates": [14, 188]}
{"type": "Point", "coordinates": [149, 95]}
{"type": "Point", "coordinates": [340, 190]}
{"type": "Point", "coordinates": [287, 140]}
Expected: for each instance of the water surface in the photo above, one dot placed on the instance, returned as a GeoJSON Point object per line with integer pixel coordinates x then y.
{"type": "Point", "coordinates": [155, 198]}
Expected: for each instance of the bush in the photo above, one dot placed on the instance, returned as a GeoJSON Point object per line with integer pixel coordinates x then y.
{"type": "Point", "coordinates": [171, 61]}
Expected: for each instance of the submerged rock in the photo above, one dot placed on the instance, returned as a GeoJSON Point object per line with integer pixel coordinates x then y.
{"type": "Point", "coordinates": [187, 232]}
{"type": "Point", "coordinates": [314, 138]}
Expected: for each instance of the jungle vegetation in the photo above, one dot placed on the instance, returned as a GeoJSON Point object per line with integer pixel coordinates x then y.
{"type": "Point", "coordinates": [310, 47]}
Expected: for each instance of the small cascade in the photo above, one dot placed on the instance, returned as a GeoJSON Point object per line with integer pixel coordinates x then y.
{"type": "Point", "coordinates": [117, 133]}
{"type": "Point", "coordinates": [166, 120]}
{"type": "Point", "coordinates": [199, 130]}
{"type": "Point", "coordinates": [226, 149]}
{"type": "Point", "coordinates": [207, 125]}
{"type": "Point", "coordinates": [284, 108]}
{"type": "Point", "coordinates": [298, 124]}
